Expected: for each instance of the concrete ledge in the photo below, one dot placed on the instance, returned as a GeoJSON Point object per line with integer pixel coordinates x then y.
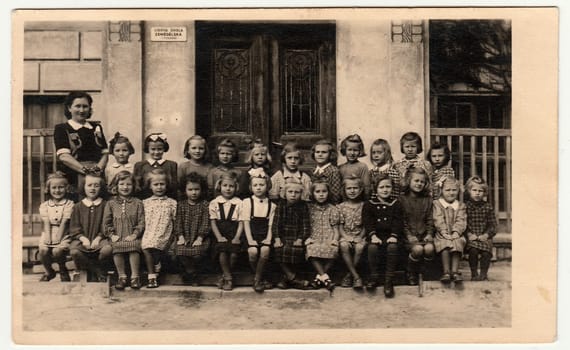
{"type": "Point", "coordinates": [55, 287]}
{"type": "Point", "coordinates": [92, 289]}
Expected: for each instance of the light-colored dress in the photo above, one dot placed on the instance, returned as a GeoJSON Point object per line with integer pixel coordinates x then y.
{"type": "Point", "coordinates": [56, 212]}
{"type": "Point", "coordinates": [323, 219]}
{"type": "Point", "coordinates": [351, 221]}
{"type": "Point", "coordinates": [159, 213]}
{"type": "Point", "coordinates": [449, 218]}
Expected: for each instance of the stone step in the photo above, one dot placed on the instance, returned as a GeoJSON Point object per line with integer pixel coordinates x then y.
{"type": "Point", "coordinates": [104, 290]}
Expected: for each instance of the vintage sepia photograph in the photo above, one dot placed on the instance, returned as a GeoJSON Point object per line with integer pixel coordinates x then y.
{"type": "Point", "coordinates": [238, 176]}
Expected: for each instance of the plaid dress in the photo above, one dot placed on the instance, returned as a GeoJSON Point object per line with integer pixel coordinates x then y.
{"type": "Point", "coordinates": [278, 179]}
{"type": "Point", "coordinates": [331, 175]}
{"type": "Point", "coordinates": [392, 173]}
{"type": "Point", "coordinates": [123, 217]}
{"type": "Point", "coordinates": [291, 222]}
{"type": "Point", "coordinates": [436, 176]}
{"type": "Point", "coordinates": [480, 220]}
{"type": "Point", "coordinates": [192, 221]}
{"type": "Point", "coordinates": [404, 164]}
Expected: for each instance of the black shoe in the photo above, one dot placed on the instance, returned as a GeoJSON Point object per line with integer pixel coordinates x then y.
{"type": "Point", "coordinates": [445, 278]}
{"type": "Point", "coordinates": [371, 285]}
{"type": "Point", "coordinates": [64, 276]}
{"type": "Point", "coordinates": [136, 283]}
{"type": "Point", "coordinates": [48, 276]}
{"type": "Point", "coordinates": [284, 283]}
{"type": "Point", "coordinates": [152, 283]}
{"type": "Point", "coordinates": [267, 285]}
{"type": "Point", "coordinates": [329, 285]}
{"type": "Point", "coordinates": [316, 283]}
{"type": "Point", "coordinates": [456, 276]}
{"type": "Point", "coordinates": [300, 284]}
{"type": "Point", "coordinates": [389, 289]}
{"type": "Point", "coordinates": [412, 279]}
{"type": "Point", "coordinates": [121, 283]}
{"type": "Point", "coordinates": [258, 286]}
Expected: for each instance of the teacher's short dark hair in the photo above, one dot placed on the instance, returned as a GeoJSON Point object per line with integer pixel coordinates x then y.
{"type": "Point", "coordinates": [68, 102]}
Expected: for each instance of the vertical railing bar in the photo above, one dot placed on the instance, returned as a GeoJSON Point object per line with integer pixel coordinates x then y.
{"type": "Point", "coordinates": [461, 161]}
{"type": "Point", "coordinates": [42, 168]}
{"type": "Point", "coordinates": [29, 162]}
{"type": "Point", "coordinates": [484, 160]}
{"type": "Point", "coordinates": [53, 156]}
{"type": "Point", "coordinates": [508, 193]}
{"type": "Point", "coordinates": [473, 155]}
{"type": "Point", "coordinates": [496, 175]}
{"type": "Point", "coordinates": [450, 146]}
{"type": "Point", "coordinates": [437, 138]}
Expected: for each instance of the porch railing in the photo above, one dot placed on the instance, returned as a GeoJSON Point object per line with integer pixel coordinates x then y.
{"type": "Point", "coordinates": [39, 160]}
{"type": "Point", "coordinates": [484, 152]}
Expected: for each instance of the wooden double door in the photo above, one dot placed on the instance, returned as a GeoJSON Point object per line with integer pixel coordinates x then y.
{"type": "Point", "coordinates": [268, 81]}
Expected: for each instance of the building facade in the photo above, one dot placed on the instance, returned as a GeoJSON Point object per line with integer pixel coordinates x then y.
{"type": "Point", "coordinates": [278, 81]}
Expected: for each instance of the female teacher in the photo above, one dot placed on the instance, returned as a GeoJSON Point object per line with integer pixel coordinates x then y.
{"type": "Point", "coordinates": [80, 145]}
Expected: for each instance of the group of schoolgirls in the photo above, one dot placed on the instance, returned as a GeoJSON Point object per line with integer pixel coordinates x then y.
{"type": "Point", "coordinates": [290, 215]}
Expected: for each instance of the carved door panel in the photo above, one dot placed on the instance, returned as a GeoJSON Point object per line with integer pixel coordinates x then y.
{"type": "Point", "coordinates": [270, 81]}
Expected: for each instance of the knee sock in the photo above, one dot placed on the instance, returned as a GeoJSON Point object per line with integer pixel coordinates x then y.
{"type": "Point", "coordinates": [259, 268]}
{"type": "Point", "coordinates": [373, 260]}
{"type": "Point", "coordinates": [474, 260]}
{"type": "Point", "coordinates": [391, 260]}
{"type": "Point", "coordinates": [485, 262]}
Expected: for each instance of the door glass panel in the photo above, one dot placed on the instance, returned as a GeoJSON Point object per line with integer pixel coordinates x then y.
{"type": "Point", "coordinates": [232, 91]}
{"type": "Point", "coordinates": [300, 91]}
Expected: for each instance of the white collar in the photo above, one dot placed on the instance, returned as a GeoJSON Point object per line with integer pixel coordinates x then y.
{"type": "Point", "coordinates": [454, 205]}
{"type": "Point", "coordinates": [152, 161]}
{"type": "Point", "coordinates": [221, 199]}
{"type": "Point", "coordinates": [321, 169]}
{"type": "Point", "coordinates": [118, 165]}
{"type": "Point", "coordinates": [287, 173]}
{"type": "Point", "coordinates": [383, 168]}
{"type": "Point", "coordinates": [383, 202]}
{"type": "Point", "coordinates": [89, 203]}
{"type": "Point", "coordinates": [53, 203]}
{"type": "Point", "coordinates": [76, 126]}
{"type": "Point", "coordinates": [256, 172]}
{"type": "Point", "coordinates": [157, 198]}
{"type": "Point", "coordinates": [415, 159]}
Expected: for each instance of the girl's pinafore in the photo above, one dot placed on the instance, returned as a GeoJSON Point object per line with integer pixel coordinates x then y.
{"type": "Point", "coordinates": [259, 225]}
{"type": "Point", "coordinates": [227, 228]}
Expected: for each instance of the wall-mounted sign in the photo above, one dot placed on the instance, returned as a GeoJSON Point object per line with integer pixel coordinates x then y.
{"type": "Point", "coordinates": [168, 34]}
